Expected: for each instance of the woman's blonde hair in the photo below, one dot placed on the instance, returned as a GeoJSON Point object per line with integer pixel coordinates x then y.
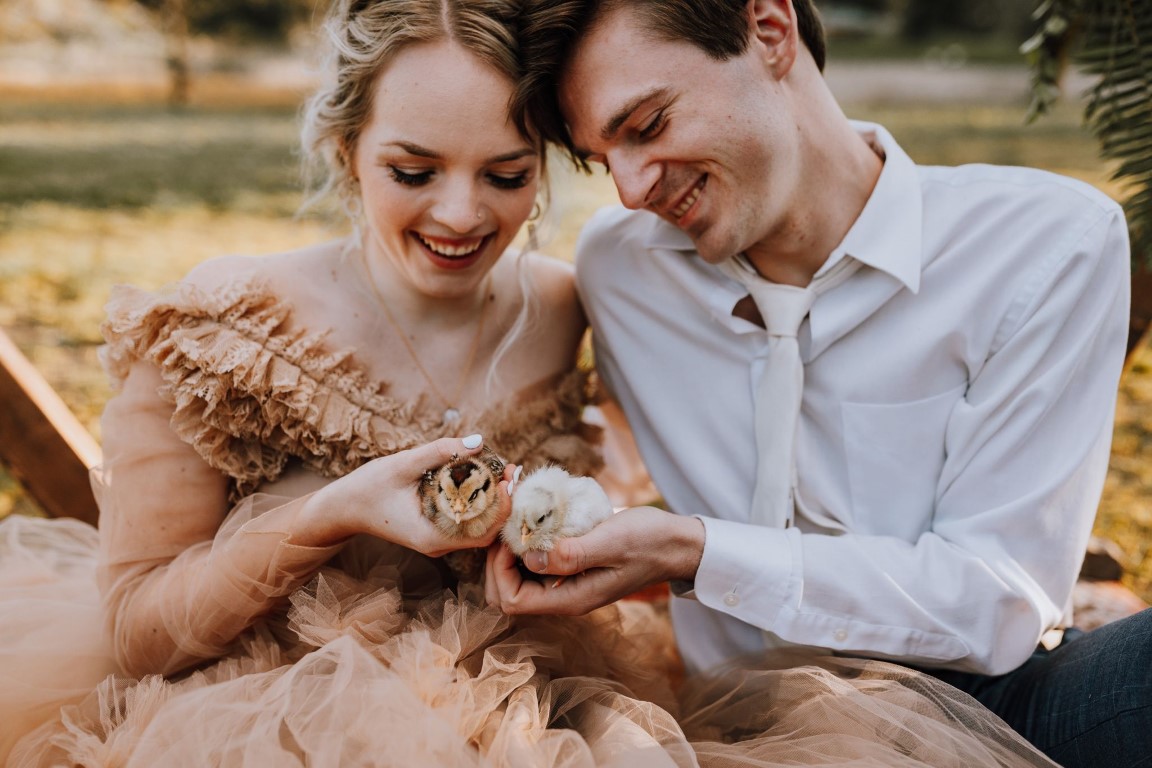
{"type": "Point", "coordinates": [362, 37]}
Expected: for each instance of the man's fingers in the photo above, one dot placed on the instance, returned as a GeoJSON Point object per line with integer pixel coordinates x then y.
{"type": "Point", "coordinates": [567, 557]}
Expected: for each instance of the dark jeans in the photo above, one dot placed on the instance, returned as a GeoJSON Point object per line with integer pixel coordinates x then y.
{"type": "Point", "coordinates": [1086, 703]}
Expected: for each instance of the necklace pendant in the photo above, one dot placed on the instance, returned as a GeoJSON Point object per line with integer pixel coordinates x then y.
{"type": "Point", "coordinates": [451, 417]}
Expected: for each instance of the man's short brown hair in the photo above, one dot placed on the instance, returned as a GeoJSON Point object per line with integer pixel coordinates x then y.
{"type": "Point", "coordinates": [550, 30]}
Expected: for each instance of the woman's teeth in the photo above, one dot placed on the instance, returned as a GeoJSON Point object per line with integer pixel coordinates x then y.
{"type": "Point", "coordinates": [450, 250]}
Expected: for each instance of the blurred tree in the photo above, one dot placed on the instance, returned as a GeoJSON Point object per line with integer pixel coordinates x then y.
{"type": "Point", "coordinates": [174, 23]}
{"type": "Point", "coordinates": [867, 5]}
{"type": "Point", "coordinates": [264, 20]}
{"type": "Point", "coordinates": [922, 19]}
{"type": "Point", "coordinates": [269, 21]}
{"type": "Point", "coordinates": [1111, 40]}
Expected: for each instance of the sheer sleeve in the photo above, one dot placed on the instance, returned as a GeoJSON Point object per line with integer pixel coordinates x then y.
{"type": "Point", "coordinates": [180, 577]}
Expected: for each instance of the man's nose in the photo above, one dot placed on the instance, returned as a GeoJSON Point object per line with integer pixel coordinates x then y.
{"type": "Point", "coordinates": [635, 178]}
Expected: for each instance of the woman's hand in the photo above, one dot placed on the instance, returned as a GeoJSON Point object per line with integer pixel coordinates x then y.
{"type": "Point", "coordinates": [382, 499]}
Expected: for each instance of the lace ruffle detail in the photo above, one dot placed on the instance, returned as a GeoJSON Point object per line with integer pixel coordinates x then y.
{"type": "Point", "coordinates": [250, 394]}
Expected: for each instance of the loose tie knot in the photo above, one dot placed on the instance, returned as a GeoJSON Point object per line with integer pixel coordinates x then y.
{"type": "Point", "coordinates": [783, 307]}
{"type": "Point", "coordinates": [778, 392]}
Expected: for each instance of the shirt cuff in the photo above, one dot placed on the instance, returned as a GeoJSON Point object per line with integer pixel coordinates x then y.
{"type": "Point", "coordinates": [748, 571]}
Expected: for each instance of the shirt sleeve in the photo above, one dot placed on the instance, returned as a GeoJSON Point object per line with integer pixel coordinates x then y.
{"type": "Point", "coordinates": [1026, 449]}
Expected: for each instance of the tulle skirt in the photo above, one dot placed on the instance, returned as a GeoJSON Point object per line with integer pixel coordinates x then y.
{"type": "Point", "coordinates": [371, 664]}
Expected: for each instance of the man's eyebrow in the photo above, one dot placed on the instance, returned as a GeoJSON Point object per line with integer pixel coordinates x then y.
{"type": "Point", "coordinates": [608, 132]}
{"type": "Point", "coordinates": [419, 151]}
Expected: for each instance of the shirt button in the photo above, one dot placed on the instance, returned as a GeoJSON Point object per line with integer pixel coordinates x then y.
{"type": "Point", "coordinates": [731, 600]}
{"type": "Point", "coordinates": [841, 635]}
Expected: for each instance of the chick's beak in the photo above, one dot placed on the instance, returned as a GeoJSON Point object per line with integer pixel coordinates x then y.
{"type": "Point", "coordinates": [523, 533]}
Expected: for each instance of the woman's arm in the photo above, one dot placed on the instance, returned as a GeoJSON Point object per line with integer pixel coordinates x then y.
{"type": "Point", "coordinates": [179, 587]}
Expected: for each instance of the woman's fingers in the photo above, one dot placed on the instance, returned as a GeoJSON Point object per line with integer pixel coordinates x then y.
{"type": "Point", "coordinates": [416, 461]}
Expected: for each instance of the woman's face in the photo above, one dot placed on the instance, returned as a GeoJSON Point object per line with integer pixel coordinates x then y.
{"type": "Point", "coordinates": [445, 178]}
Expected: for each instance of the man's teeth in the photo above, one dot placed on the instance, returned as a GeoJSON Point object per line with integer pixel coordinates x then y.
{"type": "Point", "coordinates": [450, 250]}
{"type": "Point", "coordinates": [682, 209]}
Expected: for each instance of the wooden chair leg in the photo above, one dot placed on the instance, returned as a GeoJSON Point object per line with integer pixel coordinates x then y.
{"type": "Point", "coordinates": [41, 440]}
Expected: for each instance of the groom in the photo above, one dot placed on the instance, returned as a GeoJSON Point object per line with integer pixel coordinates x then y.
{"type": "Point", "coordinates": [877, 397]}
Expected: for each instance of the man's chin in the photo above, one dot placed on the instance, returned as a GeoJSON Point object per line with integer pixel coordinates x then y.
{"type": "Point", "coordinates": [712, 252]}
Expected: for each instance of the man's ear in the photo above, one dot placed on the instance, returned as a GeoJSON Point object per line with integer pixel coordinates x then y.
{"type": "Point", "coordinates": [773, 27]}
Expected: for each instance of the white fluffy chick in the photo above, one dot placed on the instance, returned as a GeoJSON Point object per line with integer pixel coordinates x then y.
{"type": "Point", "coordinates": [548, 504]}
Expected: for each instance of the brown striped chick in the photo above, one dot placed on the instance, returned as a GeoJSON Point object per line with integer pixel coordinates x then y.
{"type": "Point", "coordinates": [462, 499]}
{"type": "Point", "coordinates": [549, 504]}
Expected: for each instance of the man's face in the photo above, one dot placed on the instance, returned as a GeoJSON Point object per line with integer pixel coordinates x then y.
{"type": "Point", "coordinates": [709, 146]}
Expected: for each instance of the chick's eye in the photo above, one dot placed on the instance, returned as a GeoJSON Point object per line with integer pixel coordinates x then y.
{"type": "Point", "coordinates": [540, 520]}
{"type": "Point", "coordinates": [408, 179]}
{"type": "Point", "coordinates": [475, 493]}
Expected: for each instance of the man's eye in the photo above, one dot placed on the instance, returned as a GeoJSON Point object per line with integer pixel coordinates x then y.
{"type": "Point", "coordinates": [654, 126]}
{"type": "Point", "coordinates": [409, 179]}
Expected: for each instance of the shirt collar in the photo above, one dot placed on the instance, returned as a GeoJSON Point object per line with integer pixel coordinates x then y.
{"type": "Point", "coordinates": [887, 233]}
{"type": "Point", "coordinates": [886, 236]}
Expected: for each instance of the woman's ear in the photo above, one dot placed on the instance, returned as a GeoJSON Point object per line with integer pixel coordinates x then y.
{"type": "Point", "coordinates": [774, 32]}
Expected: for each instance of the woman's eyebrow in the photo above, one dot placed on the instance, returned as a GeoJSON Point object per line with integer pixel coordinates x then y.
{"type": "Point", "coordinates": [419, 151]}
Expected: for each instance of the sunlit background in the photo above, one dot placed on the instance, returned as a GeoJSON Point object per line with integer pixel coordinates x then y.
{"type": "Point", "coordinates": [140, 137]}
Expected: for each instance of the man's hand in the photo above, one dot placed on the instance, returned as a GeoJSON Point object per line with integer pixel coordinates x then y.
{"type": "Point", "coordinates": [633, 549]}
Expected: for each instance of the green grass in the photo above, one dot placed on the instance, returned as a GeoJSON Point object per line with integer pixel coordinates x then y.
{"type": "Point", "coordinates": [94, 194]}
{"type": "Point", "coordinates": [96, 157]}
{"type": "Point", "coordinates": [976, 49]}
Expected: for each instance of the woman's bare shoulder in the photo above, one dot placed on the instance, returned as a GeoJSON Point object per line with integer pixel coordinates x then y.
{"type": "Point", "coordinates": [553, 278]}
{"type": "Point", "coordinates": [276, 270]}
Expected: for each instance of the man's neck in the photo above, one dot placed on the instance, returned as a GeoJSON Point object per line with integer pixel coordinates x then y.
{"type": "Point", "coordinates": [841, 172]}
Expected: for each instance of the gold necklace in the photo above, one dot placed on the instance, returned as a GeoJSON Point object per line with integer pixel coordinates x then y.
{"type": "Point", "coordinates": [451, 416]}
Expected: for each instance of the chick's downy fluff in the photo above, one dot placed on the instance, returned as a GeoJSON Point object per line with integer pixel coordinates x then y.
{"type": "Point", "coordinates": [461, 497]}
{"type": "Point", "coordinates": [549, 504]}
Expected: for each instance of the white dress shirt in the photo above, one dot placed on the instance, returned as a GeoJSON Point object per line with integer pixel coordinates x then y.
{"type": "Point", "coordinates": [956, 423]}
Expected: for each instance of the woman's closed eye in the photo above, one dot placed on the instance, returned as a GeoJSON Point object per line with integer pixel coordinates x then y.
{"type": "Point", "coordinates": [414, 178]}
{"type": "Point", "coordinates": [508, 181]}
{"type": "Point", "coordinates": [409, 178]}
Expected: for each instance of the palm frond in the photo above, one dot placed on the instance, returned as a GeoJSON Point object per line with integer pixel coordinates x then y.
{"type": "Point", "coordinates": [1112, 41]}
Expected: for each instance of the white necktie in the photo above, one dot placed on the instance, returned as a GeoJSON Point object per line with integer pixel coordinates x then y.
{"type": "Point", "coordinates": [781, 385]}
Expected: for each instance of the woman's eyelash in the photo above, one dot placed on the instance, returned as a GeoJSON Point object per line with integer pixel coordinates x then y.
{"type": "Point", "coordinates": [410, 179]}
{"type": "Point", "coordinates": [508, 182]}
{"type": "Point", "coordinates": [423, 177]}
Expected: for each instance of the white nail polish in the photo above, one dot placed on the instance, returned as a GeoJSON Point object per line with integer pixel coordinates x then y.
{"type": "Point", "coordinates": [517, 473]}
{"type": "Point", "coordinates": [472, 441]}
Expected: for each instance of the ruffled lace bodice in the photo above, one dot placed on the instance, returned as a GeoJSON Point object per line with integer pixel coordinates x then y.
{"type": "Point", "coordinates": [251, 396]}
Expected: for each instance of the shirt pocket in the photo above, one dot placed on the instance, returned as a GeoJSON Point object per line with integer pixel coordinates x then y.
{"type": "Point", "coordinates": [895, 453]}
